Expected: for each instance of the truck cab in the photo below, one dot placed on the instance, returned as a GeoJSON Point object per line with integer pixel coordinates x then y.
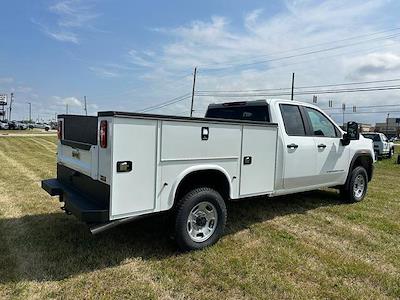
{"type": "Point", "coordinates": [312, 152]}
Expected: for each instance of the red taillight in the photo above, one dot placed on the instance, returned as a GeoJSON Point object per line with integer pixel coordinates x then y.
{"type": "Point", "coordinates": [103, 134]}
{"type": "Point", "coordinates": [59, 130]}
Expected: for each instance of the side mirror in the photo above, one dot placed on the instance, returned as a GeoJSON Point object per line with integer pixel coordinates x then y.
{"type": "Point", "coordinates": [352, 134]}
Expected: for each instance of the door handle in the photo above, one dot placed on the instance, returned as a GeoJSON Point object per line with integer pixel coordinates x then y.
{"type": "Point", "coordinates": [322, 146]}
{"type": "Point", "coordinates": [292, 146]}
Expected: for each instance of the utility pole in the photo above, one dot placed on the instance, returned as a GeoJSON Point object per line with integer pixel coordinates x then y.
{"type": "Point", "coordinates": [291, 98]}
{"type": "Point", "coordinates": [314, 99]}
{"type": "Point", "coordinates": [387, 123]}
{"type": "Point", "coordinates": [194, 86]}
{"type": "Point", "coordinates": [84, 97]}
{"type": "Point", "coordinates": [11, 102]}
{"type": "Point", "coordinates": [66, 109]}
{"type": "Point", "coordinates": [343, 109]}
{"type": "Point", "coordinates": [30, 112]}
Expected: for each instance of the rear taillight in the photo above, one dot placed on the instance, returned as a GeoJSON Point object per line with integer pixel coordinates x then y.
{"type": "Point", "coordinates": [60, 130]}
{"type": "Point", "coordinates": [103, 134]}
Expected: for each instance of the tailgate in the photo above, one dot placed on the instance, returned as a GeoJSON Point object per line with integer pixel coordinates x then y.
{"type": "Point", "coordinates": [78, 148]}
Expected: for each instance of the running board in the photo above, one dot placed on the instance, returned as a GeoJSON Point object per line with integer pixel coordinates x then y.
{"type": "Point", "coordinates": [97, 228]}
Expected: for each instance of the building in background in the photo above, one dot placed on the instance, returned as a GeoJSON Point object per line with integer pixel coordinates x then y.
{"type": "Point", "coordinates": [391, 128]}
{"type": "Point", "coordinates": [364, 127]}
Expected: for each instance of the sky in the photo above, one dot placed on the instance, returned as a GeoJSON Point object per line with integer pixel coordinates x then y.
{"type": "Point", "coordinates": [132, 55]}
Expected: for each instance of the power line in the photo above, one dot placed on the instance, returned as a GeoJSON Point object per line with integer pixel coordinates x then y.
{"type": "Point", "coordinates": [301, 87]}
{"type": "Point", "coordinates": [302, 54]}
{"type": "Point", "coordinates": [365, 106]}
{"type": "Point", "coordinates": [282, 66]}
{"type": "Point", "coordinates": [166, 103]}
{"type": "Point", "coordinates": [367, 112]}
{"type": "Point", "coordinates": [310, 47]}
{"type": "Point", "coordinates": [335, 91]}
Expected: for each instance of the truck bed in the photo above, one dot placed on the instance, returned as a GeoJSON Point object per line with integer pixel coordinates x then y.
{"type": "Point", "coordinates": [161, 150]}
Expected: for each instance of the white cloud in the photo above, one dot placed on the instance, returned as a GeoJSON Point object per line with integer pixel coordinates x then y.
{"type": "Point", "coordinates": [70, 101]}
{"type": "Point", "coordinates": [105, 72]}
{"type": "Point", "coordinates": [63, 36]}
{"type": "Point", "coordinates": [142, 60]}
{"type": "Point", "coordinates": [72, 16]}
{"type": "Point", "coordinates": [72, 13]}
{"type": "Point", "coordinates": [374, 65]}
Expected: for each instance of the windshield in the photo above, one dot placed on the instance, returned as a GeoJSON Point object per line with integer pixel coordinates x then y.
{"type": "Point", "coordinates": [374, 137]}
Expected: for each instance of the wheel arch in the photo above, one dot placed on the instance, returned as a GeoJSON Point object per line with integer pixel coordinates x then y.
{"type": "Point", "coordinates": [364, 159]}
{"type": "Point", "coordinates": [213, 176]}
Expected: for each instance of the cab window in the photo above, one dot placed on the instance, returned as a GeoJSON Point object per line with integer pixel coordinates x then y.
{"type": "Point", "coordinates": [292, 119]}
{"type": "Point", "coordinates": [320, 124]}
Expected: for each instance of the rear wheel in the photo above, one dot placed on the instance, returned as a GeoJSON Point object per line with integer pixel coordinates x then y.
{"type": "Point", "coordinates": [200, 219]}
{"type": "Point", "coordinates": [356, 187]}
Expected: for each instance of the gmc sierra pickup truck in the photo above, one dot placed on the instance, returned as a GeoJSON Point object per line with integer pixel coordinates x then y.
{"type": "Point", "coordinates": [120, 166]}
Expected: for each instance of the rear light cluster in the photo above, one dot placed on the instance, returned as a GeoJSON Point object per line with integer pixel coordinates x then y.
{"type": "Point", "coordinates": [60, 130]}
{"type": "Point", "coordinates": [103, 134]}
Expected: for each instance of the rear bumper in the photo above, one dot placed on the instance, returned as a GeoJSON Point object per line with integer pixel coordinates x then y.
{"type": "Point", "coordinates": [81, 206]}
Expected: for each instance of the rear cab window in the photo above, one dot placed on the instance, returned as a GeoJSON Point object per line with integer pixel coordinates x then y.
{"type": "Point", "coordinates": [293, 120]}
{"type": "Point", "coordinates": [258, 113]}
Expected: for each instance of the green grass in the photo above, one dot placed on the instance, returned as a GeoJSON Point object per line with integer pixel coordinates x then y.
{"type": "Point", "coordinates": [309, 245]}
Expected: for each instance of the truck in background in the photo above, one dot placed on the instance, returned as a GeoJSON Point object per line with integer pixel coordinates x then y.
{"type": "Point", "coordinates": [382, 146]}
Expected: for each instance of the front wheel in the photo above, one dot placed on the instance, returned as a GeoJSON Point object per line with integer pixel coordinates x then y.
{"type": "Point", "coordinates": [200, 219]}
{"type": "Point", "coordinates": [356, 188]}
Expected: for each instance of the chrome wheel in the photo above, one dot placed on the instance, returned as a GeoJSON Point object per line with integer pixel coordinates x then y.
{"type": "Point", "coordinates": [359, 186]}
{"type": "Point", "coordinates": [202, 221]}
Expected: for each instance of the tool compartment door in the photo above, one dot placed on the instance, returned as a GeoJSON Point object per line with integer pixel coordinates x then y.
{"type": "Point", "coordinates": [134, 141]}
{"type": "Point", "coordinates": [257, 173]}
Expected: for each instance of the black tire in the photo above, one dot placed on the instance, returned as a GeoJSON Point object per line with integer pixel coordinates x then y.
{"type": "Point", "coordinates": [184, 208]}
{"type": "Point", "coordinates": [349, 191]}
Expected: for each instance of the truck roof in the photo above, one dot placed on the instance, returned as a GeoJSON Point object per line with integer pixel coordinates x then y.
{"type": "Point", "coordinates": [261, 102]}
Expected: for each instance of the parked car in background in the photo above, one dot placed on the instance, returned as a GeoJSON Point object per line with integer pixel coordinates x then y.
{"type": "Point", "coordinates": [3, 125]}
{"type": "Point", "coordinates": [42, 126]}
{"type": "Point", "coordinates": [382, 146]}
{"type": "Point", "coordinates": [15, 125]}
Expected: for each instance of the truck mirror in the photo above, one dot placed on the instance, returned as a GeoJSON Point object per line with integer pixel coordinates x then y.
{"type": "Point", "coordinates": [353, 131]}
{"type": "Point", "coordinates": [351, 134]}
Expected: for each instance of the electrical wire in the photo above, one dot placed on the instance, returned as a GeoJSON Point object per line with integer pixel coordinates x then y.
{"type": "Point", "coordinates": [310, 92]}
{"type": "Point", "coordinates": [366, 112]}
{"type": "Point", "coordinates": [301, 54]}
{"type": "Point", "coordinates": [309, 47]}
{"type": "Point", "coordinates": [301, 87]}
{"type": "Point", "coordinates": [167, 103]}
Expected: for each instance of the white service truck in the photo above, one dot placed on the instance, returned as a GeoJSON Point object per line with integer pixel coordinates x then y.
{"type": "Point", "coordinates": [382, 146]}
{"type": "Point", "coordinates": [119, 166]}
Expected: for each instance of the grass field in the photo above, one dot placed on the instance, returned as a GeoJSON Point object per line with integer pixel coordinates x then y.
{"type": "Point", "coordinates": [299, 246]}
